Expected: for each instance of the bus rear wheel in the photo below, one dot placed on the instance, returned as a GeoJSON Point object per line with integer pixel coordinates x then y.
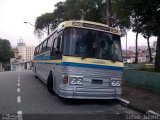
{"type": "Point", "coordinates": [50, 83]}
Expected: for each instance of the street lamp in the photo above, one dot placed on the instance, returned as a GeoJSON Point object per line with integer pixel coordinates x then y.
{"type": "Point", "coordinates": [34, 26]}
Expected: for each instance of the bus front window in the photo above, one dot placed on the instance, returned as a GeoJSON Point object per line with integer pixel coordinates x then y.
{"type": "Point", "coordinates": [92, 44]}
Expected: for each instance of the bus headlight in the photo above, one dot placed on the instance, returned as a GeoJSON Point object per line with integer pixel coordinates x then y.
{"type": "Point", "coordinates": [76, 80]}
{"type": "Point", "coordinates": [115, 82]}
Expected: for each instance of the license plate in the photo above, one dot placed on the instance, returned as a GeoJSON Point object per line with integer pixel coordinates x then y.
{"type": "Point", "coordinates": [97, 81]}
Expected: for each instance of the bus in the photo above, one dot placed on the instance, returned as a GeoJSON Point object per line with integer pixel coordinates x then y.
{"type": "Point", "coordinates": [81, 60]}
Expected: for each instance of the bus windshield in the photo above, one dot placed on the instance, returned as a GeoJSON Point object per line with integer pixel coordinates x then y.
{"type": "Point", "coordinates": [89, 43]}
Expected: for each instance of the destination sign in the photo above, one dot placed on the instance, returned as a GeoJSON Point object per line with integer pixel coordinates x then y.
{"type": "Point", "coordinates": [94, 26]}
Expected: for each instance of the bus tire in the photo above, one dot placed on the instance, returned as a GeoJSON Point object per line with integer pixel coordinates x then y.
{"type": "Point", "coordinates": [50, 83]}
{"type": "Point", "coordinates": [36, 76]}
{"type": "Point", "coordinates": [34, 69]}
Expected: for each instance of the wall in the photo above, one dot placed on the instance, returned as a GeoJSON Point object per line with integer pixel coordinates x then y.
{"type": "Point", "coordinates": [148, 80]}
{"type": "Point", "coordinates": [133, 66]}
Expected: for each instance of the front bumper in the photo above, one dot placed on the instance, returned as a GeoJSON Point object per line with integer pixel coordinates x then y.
{"type": "Point", "coordinates": [89, 92]}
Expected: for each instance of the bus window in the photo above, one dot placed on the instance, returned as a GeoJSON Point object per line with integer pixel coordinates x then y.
{"type": "Point", "coordinates": [49, 42]}
{"type": "Point", "coordinates": [35, 51]}
{"type": "Point", "coordinates": [40, 48]}
{"type": "Point", "coordinates": [59, 42]}
{"type": "Point", "coordinates": [56, 49]}
{"type": "Point", "coordinates": [44, 45]}
{"type": "Point", "coordinates": [54, 44]}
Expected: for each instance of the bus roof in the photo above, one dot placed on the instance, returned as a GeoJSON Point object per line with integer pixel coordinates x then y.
{"type": "Point", "coordinates": [88, 25]}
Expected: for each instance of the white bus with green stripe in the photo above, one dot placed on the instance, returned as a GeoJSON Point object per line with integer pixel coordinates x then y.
{"type": "Point", "coordinates": [81, 60]}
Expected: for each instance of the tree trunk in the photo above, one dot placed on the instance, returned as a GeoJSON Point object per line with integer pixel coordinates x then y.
{"type": "Point", "coordinates": [136, 57]}
{"type": "Point", "coordinates": [1, 68]}
{"type": "Point", "coordinates": [149, 48]}
{"type": "Point", "coordinates": [48, 32]}
{"type": "Point", "coordinates": [108, 12]}
{"type": "Point", "coordinates": [157, 58]}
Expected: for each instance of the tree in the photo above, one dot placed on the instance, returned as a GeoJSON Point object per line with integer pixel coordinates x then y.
{"type": "Point", "coordinates": [44, 22]}
{"type": "Point", "coordinates": [145, 19]}
{"type": "Point", "coordinates": [121, 12]}
{"type": "Point", "coordinates": [147, 33]}
{"type": "Point", "coordinates": [136, 27]}
{"type": "Point", "coordinates": [149, 12]}
{"type": "Point", "coordinates": [5, 52]}
{"type": "Point", "coordinates": [76, 10]}
{"type": "Point", "coordinates": [58, 14]}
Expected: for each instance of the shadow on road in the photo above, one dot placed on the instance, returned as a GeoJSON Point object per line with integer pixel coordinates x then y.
{"type": "Point", "coordinates": [76, 102]}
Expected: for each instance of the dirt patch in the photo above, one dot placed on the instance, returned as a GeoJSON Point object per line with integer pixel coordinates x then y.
{"type": "Point", "coordinates": [142, 98]}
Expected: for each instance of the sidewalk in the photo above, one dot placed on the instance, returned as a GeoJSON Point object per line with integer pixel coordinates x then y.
{"type": "Point", "coordinates": [141, 98]}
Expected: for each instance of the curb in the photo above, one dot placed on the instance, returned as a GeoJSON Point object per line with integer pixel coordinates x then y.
{"type": "Point", "coordinates": [150, 113]}
{"type": "Point", "coordinates": [123, 102]}
{"type": "Point", "coordinates": [153, 115]}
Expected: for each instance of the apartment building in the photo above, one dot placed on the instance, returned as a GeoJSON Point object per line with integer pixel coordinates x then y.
{"type": "Point", "coordinates": [25, 52]}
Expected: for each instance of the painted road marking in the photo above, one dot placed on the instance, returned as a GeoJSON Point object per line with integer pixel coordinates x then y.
{"type": "Point", "coordinates": [20, 115]}
{"type": "Point", "coordinates": [18, 84]}
{"type": "Point", "coordinates": [18, 90]}
{"type": "Point", "coordinates": [18, 99]}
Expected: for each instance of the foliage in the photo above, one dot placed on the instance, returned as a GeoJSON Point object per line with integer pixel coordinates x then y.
{"type": "Point", "coordinates": [43, 22]}
{"type": "Point", "coordinates": [148, 16]}
{"type": "Point", "coordinates": [5, 51]}
{"type": "Point", "coordinates": [58, 14]}
{"type": "Point", "coordinates": [77, 10]}
{"type": "Point", "coordinates": [121, 12]}
{"type": "Point", "coordinates": [91, 10]}
{"type": "Point", "coordinates": [145, 19]}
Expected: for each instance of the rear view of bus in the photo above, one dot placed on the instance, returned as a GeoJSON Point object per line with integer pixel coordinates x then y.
{"type": "Point", "coordinates": [90, 63]}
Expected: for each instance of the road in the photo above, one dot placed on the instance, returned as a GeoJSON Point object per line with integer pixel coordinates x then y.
{"type": "Point", "coordinates": [22, 93]}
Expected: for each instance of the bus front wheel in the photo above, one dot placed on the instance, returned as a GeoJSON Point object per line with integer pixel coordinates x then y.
{"type": "Point", "coordinates": [50, 83]}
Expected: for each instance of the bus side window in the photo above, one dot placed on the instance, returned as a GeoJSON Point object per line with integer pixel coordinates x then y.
{"type": "Point", "coordinates": [35, 51]}
{"type": "Point", "coordinates": [44, 45]}
{"type": "Point", "coordinates": [53, 50]}
{"type": "Point", "coordinates": [59, 43]}
{"type": "Point", "coordinates": [40, 48]}
{"type": "Point", "coordinates": [49, 42]}
{"type": "Point", "coordinates": [54, 44]}
{"type": "Point", "coordinates": [56, 49]}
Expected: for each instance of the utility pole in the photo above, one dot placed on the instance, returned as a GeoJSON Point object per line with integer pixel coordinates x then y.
{"type": "Point", "coordinates": [108, 12]}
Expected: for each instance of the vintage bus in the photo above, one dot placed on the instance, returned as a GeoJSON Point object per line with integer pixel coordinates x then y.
{"type": "Point", "coordinates": [82, 60]}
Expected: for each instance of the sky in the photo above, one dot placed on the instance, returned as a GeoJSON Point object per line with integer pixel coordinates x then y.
{"type": "Point", "coordinates": [13, 14]}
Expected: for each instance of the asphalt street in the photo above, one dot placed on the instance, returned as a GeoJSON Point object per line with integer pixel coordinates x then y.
{"type": "Point", "coordinates": [23, 94]}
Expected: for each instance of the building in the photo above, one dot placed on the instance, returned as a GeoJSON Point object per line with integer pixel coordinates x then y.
{"type": "Point", "coordinates": [143, 54]}
{"type": "Point", "coordinates": [23, 56]}
{"type": "Point", "coordinates": [25, 52]}
{"type": "Point", "coordinates": [29, 53]}
{"type": "Point", "coordinates": [142, 49]}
